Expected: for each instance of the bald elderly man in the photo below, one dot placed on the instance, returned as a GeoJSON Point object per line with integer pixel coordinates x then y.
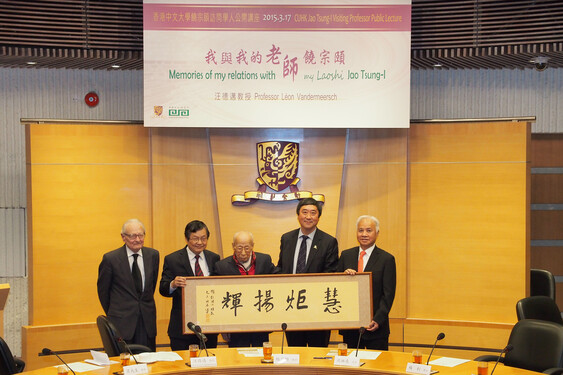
{"type": "Point", "coordinates": [245, 261]}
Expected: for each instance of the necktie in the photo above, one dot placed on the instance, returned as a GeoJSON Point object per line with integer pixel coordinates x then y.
{"type": "Point", "coordinates": [361, 261]}
{"type": "Point", "coordinates": [302, 257]}
{"type": "Point", "coordinates": [198, 271]}
{"type": "Point", "coordinates": [136, 272]}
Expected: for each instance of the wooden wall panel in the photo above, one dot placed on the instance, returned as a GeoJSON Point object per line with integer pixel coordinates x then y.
{"type": "Point", "coordinates": [84, 183]}
{"type": "Point", "coordinates": [546, 224]}
{"type": "Point", "coordinates": [468, 212]}
{"type": "Point", "coordinates": [547, 188]}
{"type": "Point", "coordinates": [546, 150]}
{"type": "Point", "coordinates": [543, 258]}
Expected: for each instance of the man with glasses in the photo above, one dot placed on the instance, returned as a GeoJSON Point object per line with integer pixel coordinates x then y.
{"type": "Point", "coordinates": [245, 261]}
{"type": "Point", "coordinates": [127, 279]}
{"type": "Point", "coordinates": [191, 260]}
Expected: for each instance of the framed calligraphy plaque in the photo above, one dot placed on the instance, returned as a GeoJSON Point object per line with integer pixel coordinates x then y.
{"type": "Point", "coordinates": [264, 302]}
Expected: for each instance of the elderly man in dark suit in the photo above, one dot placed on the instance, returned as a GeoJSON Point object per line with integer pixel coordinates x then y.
{"type": "Point", "coordinates": [369, 258]}
{"type": "Point", "coordinates": [191, 260]}
{"type": "Point", "coordinates": [245, 261]}
{"type": "Point", "coordinates": [308, 250]}
{"type": "Point", "coordinates": [127, 280]}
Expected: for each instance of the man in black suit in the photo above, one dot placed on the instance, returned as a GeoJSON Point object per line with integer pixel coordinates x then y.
{"type": "Point", "coordinates": [191, 260]}
{"type": "Point", "coordinates": [127, 279]}
{"type": "Point", "coordinates": [245, 261]}
{"type": "Point", "coordinates": [308, 250]}
{"type": "Point", "coordinates": [369, 258]}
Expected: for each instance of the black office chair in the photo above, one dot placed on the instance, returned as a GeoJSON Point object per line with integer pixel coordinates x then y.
{"type": "Point", "coordinates": [537, 346]}
{"type": "Point", "coordinates": [540, 308]}
{"type": "Point", "coordinates": [110, 339]}
{"type": "Point", "coordinates": [542, 283]}
{"type": "Point", "coordinates": [9, 365]}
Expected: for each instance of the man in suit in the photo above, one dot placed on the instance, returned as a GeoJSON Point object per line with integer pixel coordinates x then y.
{"type": "Point", "coordinates": [127, 279]}
{"type": "Point", "coordinates": [245, 261]}
{"type": "Point", "coordinates": [191, 260]}
{"type": "Point", "coordinates": [369, 258]}
{"type": "Point", "coordinates": [308, 250]}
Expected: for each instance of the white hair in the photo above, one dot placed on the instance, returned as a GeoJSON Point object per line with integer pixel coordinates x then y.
{"type": "Point", "coordinates": [132, 221]}
{"type": "Point", "coordinates": [241, 232]}
{"type": "Point", "coordinates": [373, 220]}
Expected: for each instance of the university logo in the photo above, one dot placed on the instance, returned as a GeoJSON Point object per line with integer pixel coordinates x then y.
{"type": "Point", "coordinates": [278, 163]}
{"type": "Point", "coordinates": [158, 110]}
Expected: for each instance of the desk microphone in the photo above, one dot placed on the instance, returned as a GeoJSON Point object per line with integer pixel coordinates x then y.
{"type": "Point", "coordinates": [284, 327]}
{"type": "Point", "coordinates": [46, 351]}
{"type": "Point", "coordinates": [508, 348]}
{"type": "Point", "coordinates": [121, 341]}
{"type": "Point", "coordinates": [441, 335]}
{"type": "Point", "coordinates": [362, 331]}
{"type": "Point", "coordinates": [194, 328]}
{"type": "Point", "coordinates": [202, 338]}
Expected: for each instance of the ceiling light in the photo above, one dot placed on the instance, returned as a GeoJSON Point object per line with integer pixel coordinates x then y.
{"type": "Point", "coordinates": [115, 66]}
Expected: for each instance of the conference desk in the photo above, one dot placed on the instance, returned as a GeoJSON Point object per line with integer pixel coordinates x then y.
{"type": "Point", "coordinates": [230, 362]}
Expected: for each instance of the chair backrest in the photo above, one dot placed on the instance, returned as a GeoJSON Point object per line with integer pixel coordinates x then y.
{"type": "Point", "coordinates": [537, 345]}
{"type": "Point", "coordinates": [7, 363]}
{"type": "Point", "coordinates": [538, 307]}
{"type": "Point", "coordinates": [542, 283]}
{"type": "Point", "coordinates": [109, 335]}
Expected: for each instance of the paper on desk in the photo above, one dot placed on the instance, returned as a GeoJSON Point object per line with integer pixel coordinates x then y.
{"type": "Point", "coordinates": [251, 352]}
{"type": "Point", "coordinates": [81, 367]}
{"type": "Point", "coordinates": [157, 356]}
{"type": "Point", "coordinates": [448, 362]}
{"type": "Point", "coordinates": [99, 359]}
{"type": "Point", "coordinates": [363, 354]}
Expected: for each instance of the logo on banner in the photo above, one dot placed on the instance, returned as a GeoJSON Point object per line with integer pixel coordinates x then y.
{"type": "Point", "coordinates": [278, 163]}
{"type": "Point", "coordinates": [158, 109]}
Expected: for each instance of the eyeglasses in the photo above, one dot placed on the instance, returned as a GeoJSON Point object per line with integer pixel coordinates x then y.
{"type": "Point", "coordinates": [134, 236]}
{"type": "Point", "coordinates": [198, 239]}
{"type": "Point", "coordinates": [241, 248]}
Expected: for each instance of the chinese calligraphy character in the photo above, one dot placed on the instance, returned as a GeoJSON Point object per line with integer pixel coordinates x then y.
{"type": "Point", "coordinates": [290, 67]}
{"type": "Point", "coordinates": [300, 300]}
{"type": "Point", "coordinates": [234, 299]}
{"type": "Point", "coordinates": [332, 305]}
{"type": "Point", "coordinates": [210, 57]}
{"type": "Point", "coordinates": [265, 303]}
{"type": "Point", "coordinates": [309, 57]}
{"type": "Point", "coordinates": [325, 58]}
{"type": "Point", "coordinates": [273, 56]}
{"type": "Point", "coordinates": [241, 57]}
{"type": "Point", "coordinates": [339, 57]}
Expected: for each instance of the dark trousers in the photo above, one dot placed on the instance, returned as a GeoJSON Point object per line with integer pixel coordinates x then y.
{"type": "Point", "coordinates": [183, 343]}
{"type": "Point", "coordinates": [351, 338]}
{"type": "Point", "coordinates": [141, 336]}
{"type": "Point", "coordinates": [308, 338]}
{"type": "Point", "coordinates": [247, 339]}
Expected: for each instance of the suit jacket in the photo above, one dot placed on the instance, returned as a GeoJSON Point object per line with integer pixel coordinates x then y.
{"type": "Point", "coordinates": [323, 256]}
{"type": "Point", "coordinates": [117, 293]}
{"type": "Point", "coordinates": [178, 264]}
{"type": "Point", "coordinates": [263, 266]}
{"type": "Point", "coordinates": [383, 270]}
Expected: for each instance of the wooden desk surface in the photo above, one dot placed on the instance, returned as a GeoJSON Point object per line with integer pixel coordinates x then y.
{"type": "Point", "coordinates": [229, 361]}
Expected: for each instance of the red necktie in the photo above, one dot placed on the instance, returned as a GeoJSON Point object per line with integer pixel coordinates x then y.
{"type": "Point", "coordinates": [361, 261]}
{"type": "Point", "coordinates": [198, 271]}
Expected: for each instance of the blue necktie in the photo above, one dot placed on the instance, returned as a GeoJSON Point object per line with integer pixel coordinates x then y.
{"type": "Point", "coordinates": [302, 257]}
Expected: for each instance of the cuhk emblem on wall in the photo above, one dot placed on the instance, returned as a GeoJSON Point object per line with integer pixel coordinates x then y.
{"type": "Point", "coordinates": [278, 163]}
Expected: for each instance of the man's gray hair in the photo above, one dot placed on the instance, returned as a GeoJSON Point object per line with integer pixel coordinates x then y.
{"type": "Point", "coordinates": [132, 221]}
{"type": "Point", "coordinates": [373, 220]}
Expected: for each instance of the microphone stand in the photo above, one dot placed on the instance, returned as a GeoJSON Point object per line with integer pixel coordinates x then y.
{"type": "Point", "coordinates": [362, 330]}
{"type": "Point", "coordinates": [121, 341]}
{"type": "Point", "coordinates": [46, 351]}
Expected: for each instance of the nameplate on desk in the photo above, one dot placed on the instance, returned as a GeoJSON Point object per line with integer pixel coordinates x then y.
{"type": "Point", "coordinates": [197, 362]}
{"type": "Point", "coordinates": [342, 360]}
{"type": "Point", "coordinates": [286, 359]}
{"type": "Point", "coordinates": [141, 368]}
{"type": "Point", "coordinates": [416, 368]}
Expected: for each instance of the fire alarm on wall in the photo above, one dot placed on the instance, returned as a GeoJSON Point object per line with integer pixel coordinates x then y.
{"type": "Point", "coordinates": [91, 99]}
